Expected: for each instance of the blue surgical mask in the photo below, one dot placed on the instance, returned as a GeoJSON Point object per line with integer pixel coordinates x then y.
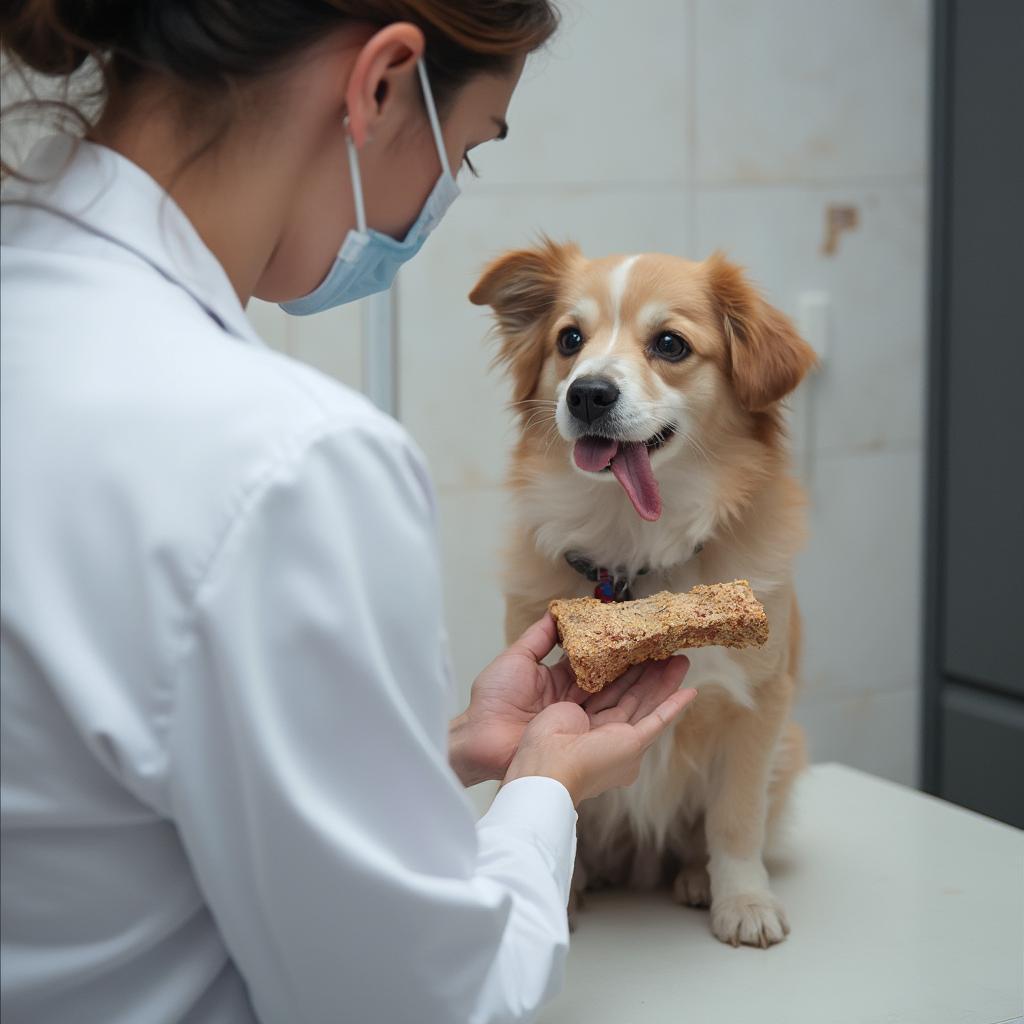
{"type": "Point", "coordinates": [369, 260]}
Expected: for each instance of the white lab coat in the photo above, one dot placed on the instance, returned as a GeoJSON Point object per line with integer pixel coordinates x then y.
{"type": "Point", "coordinates": [225, 788]}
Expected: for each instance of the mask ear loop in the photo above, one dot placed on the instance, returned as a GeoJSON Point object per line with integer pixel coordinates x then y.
{"type": "Point", "coordinates": [357, 178]}
{"type": "Point", "coordinates": [435, 124]}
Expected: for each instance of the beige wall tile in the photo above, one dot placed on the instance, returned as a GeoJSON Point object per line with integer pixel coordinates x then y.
{"type": "Point", "coordinates": [606, 101]}
{"type": "Point", "coordinates": [797, 90]}
{"type": "Point", "coordinates": [874, 730]}
{"type": "Point", "coordinates": [869, 394]}
{"type": "Point", "coordinates": [859, 580]}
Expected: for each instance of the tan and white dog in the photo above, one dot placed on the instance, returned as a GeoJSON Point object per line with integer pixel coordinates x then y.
{"type": "Point", "coordinates": [651, 457]}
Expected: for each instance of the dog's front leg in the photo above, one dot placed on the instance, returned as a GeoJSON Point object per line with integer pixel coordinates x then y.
{"type": "Point", "coordinates": [743, 908]}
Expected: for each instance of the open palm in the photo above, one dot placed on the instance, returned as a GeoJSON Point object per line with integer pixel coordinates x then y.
{"type": "Point", "coordinates": [516, 687]}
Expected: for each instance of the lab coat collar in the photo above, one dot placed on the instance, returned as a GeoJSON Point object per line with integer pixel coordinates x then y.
{"type": "Point", "coordinates": [115, 199]}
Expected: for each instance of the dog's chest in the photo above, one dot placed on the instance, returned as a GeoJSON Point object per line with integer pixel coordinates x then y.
{"type": "Point", "coordinates": [597, 520]}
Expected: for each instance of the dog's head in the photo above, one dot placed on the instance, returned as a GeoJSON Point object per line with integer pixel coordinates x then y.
{"type": "Point", "coordinates": [638, 356]}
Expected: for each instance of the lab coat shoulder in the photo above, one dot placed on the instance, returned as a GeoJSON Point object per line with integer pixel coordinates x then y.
{"type": "Point", "coordinates": [139, 438]}
{"type": "Point", "coordinates": [130, 368]}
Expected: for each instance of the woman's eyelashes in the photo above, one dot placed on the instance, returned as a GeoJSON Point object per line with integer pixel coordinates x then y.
{"type": "Point", "coordinates": [469, 164]}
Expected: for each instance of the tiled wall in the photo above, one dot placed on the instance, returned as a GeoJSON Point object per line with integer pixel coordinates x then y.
{"type": "Point", "coordinates": [685, 126]}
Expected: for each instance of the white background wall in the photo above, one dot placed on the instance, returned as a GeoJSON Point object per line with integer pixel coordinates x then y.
{"type": "Point", "coordinates": [685, 126]}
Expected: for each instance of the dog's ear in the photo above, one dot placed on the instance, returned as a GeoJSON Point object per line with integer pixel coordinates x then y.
{"type": "Point", "coordinates": [767, 359]}
{"type": "Point", "coordinates": [521, 287]}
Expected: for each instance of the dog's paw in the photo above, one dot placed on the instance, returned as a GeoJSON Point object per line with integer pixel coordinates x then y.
{"type": "Point", "coordinates": [749, 919]}
{"type": "Point", "coordinates": [692, 886]}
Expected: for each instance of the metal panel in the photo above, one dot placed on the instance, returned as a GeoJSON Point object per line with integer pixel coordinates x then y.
{"type": "Point", "coordinates": [983, 487]}
{"type": "Point", "coordinates": [983, 753]}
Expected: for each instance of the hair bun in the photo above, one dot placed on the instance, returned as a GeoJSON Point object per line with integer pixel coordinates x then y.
{"type": "Point", "coordinates": [54, 37]}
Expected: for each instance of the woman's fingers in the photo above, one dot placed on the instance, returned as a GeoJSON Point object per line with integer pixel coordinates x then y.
{"type": "Point", "coordinates": [658, 681]}
{"type": "Point", "coordinates": [638, 691]}
{"type": "Point", "coordinates": [538, 639]}
{"type": "Point", "coordinates": [611, 694]}
{"type": "Point", "coordinates": [620, 713]}
{"type": "Point", "coordinates": [661, 679]}
{"type": "Point", "coordinates": [564, 681]}
{"type": "Point", "coordinates": [562, 718]}
{"type": "Point", "coordinates": [649, 728]}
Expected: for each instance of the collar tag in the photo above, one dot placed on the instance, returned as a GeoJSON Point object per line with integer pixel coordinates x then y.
{"type": "Point", "coordinates": [605, 589]}
{"type": "Point", "coordinates": [611, 586]}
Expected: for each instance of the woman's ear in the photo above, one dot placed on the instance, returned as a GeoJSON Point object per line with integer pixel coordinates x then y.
{"type": "Point", "coordinates": [388, 54]}
{"type": "Point", "coordinates": [766, 357]}
{"type": "Point", "coordinates": [522, 287]}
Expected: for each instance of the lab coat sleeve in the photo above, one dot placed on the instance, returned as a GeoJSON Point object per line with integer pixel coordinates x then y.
{"type": "Point", "coordinates": [308, 768]}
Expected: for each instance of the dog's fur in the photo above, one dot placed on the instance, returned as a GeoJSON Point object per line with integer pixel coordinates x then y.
{"type": "Point", "coordinates": [711, 791]}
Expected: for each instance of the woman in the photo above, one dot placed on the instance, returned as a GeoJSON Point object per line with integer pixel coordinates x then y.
{"type": "Point", "coordinates": [228, 792]}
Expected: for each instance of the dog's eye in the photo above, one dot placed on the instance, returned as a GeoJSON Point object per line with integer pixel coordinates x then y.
{"type": "Point", "coordinates": [671, 346]}
{"type": "Point", "coordinates": [570, 341]}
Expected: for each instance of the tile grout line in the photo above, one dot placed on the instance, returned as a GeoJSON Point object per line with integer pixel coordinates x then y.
{"type": "Point", "coordinates": [840, 694]}
{"type": "Point", "coordinates": [492, 189]}
{"type": "Point", "coordinates": [903, 446]}
{"type": "Point", "coordinates": [691, 166]}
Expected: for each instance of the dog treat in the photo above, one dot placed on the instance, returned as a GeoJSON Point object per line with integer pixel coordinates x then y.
{"type": "Point", "coordinates": [602, 640]}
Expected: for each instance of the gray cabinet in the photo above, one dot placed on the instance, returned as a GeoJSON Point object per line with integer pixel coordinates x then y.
{"type": "Point", "coordinates": [974, 658]}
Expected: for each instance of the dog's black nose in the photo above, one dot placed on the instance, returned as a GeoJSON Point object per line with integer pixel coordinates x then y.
{"type": "Point", "coordinates": [590, 398]}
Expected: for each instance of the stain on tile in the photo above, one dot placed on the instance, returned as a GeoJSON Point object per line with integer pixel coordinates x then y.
{"type": "Point", "coordinates": [839, 219]}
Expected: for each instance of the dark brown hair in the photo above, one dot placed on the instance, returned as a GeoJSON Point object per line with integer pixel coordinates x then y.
{"type": "Point", "coordinates": [207, 49]}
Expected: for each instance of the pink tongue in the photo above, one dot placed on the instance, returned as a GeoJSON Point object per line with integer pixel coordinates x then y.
{"type": "Point", "coordinates": [631, 465]}
{"type": "Point", "coordinates": [632, 468]}
{"type": "Point", "coordinates": [594, 453]}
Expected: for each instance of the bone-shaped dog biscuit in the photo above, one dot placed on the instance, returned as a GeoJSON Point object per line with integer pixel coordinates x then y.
{"type": "Point", "coordinates": [603, 640]}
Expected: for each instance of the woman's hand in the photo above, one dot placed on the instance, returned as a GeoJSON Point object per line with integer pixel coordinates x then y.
{"type": "Point", "coordinates": [515, 689]}
{"type": "Point", "coordinates": [590, 752]}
